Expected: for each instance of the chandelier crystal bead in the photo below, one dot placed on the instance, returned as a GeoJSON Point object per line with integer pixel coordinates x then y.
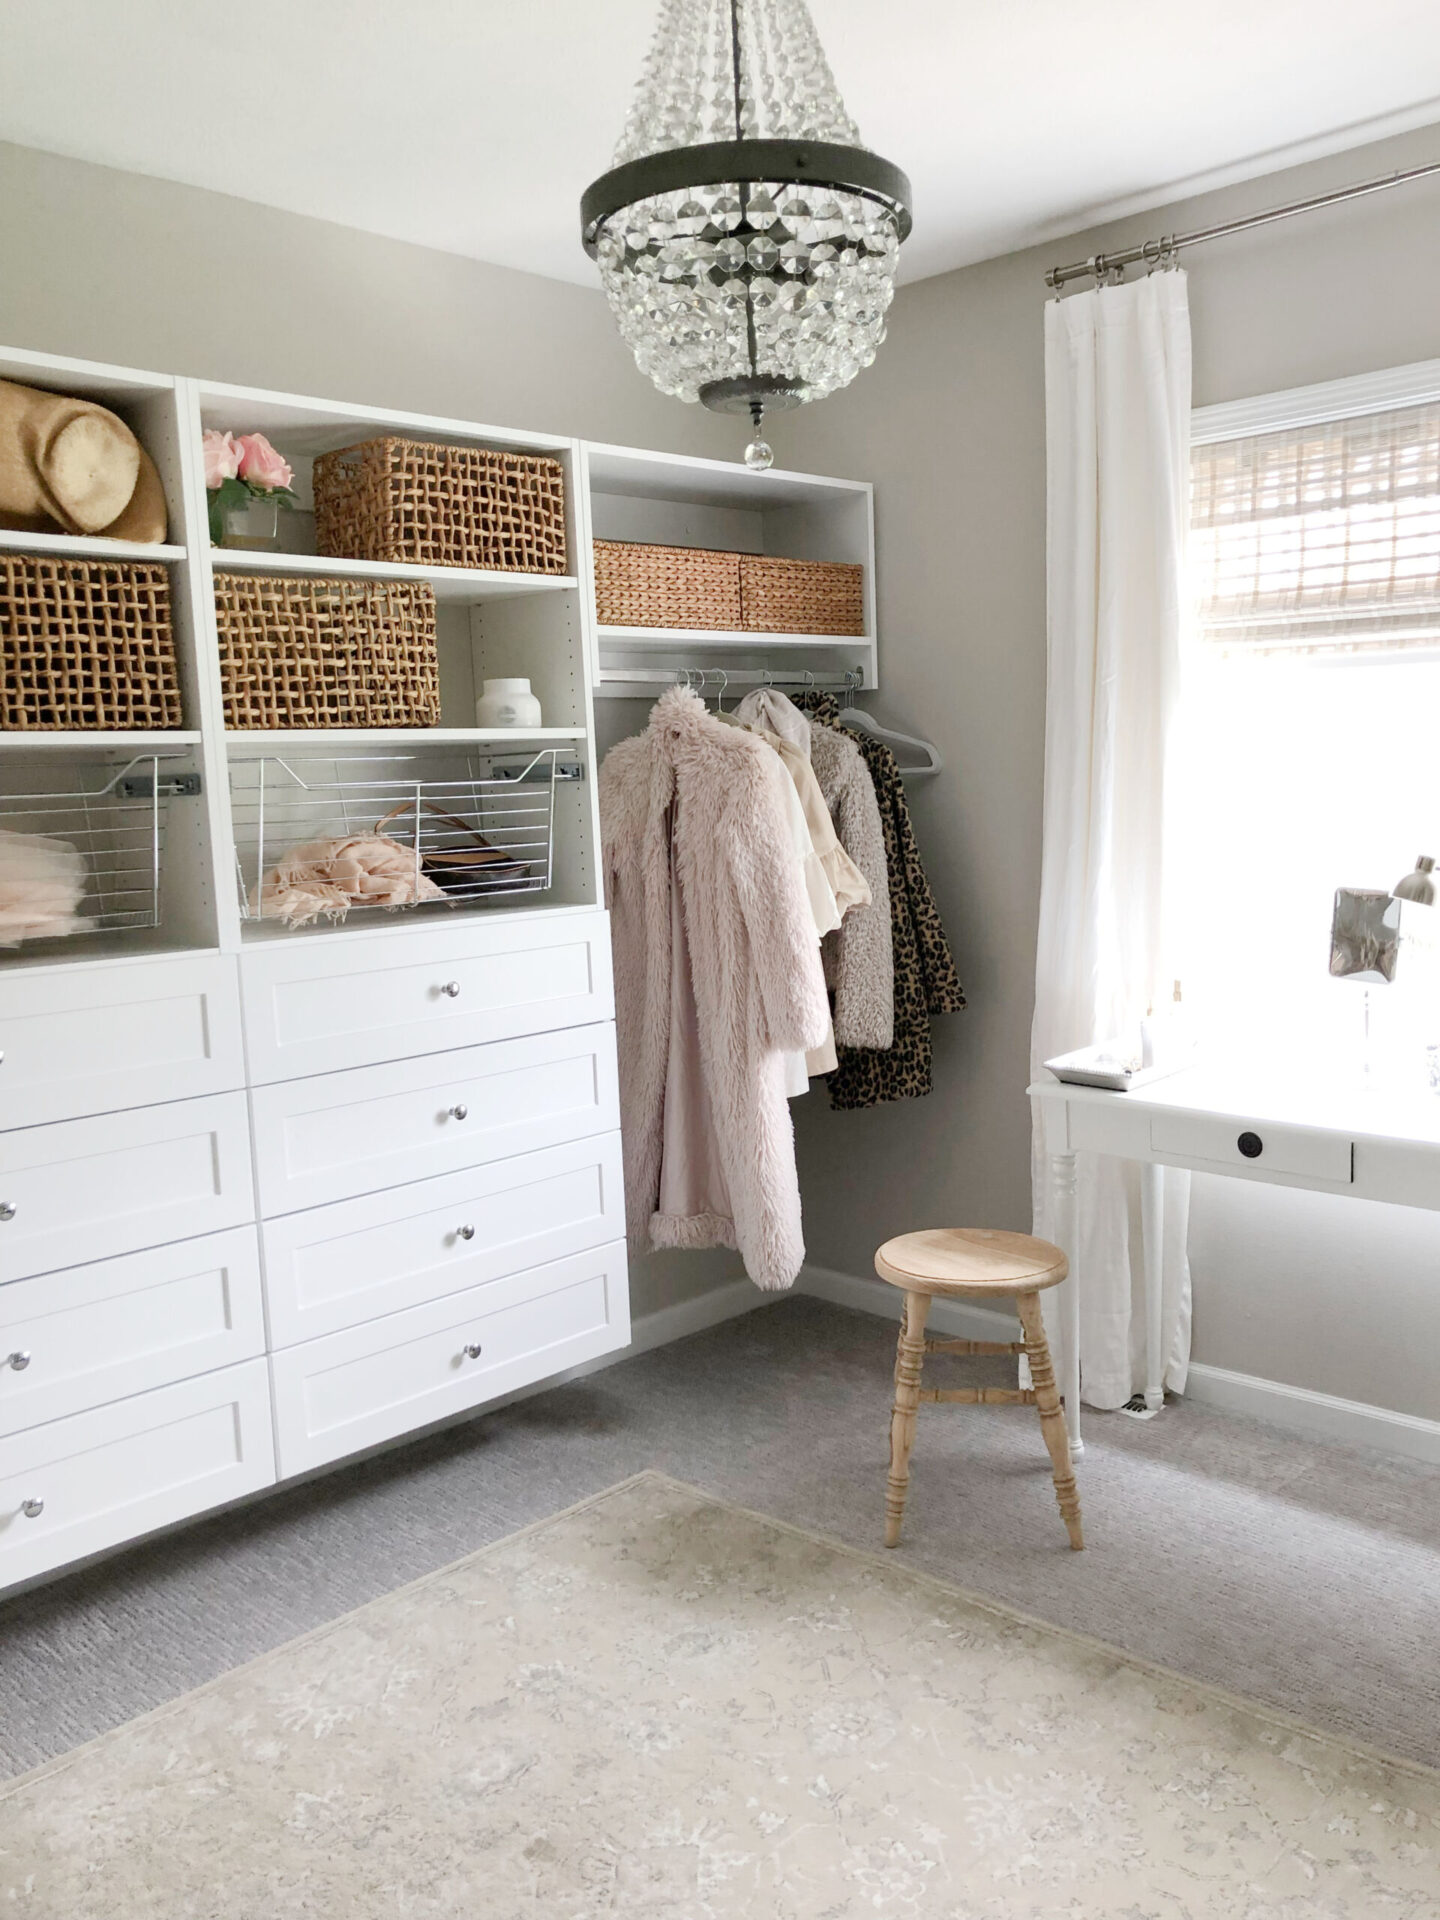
{"type": "Point", "coordinates": [746, 241]}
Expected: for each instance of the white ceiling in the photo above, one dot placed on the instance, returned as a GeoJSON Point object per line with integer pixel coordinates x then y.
{"type": "Point", "coordinates": [472, 125]}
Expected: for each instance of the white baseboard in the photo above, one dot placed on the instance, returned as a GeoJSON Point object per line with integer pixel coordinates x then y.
{"type": "Point", "coordinates": [1322, 1416]}
{"type": "Point", "coordinates": [956, 1318]}
{"type": "Point", "coordinates": [1349, 1423]}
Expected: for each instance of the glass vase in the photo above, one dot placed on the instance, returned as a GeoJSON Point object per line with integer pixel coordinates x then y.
{"type": "Point", "coordinates": [256, 525]}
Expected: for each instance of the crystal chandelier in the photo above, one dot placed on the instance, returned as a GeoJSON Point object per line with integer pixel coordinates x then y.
{"type": "Point", "coordinates": [746, 241]}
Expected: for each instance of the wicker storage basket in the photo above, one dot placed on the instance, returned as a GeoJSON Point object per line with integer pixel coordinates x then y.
{"type": "Point", "coordinates": [405, 500]}
{"type": "Point", "coordinates": [801, 596]}
{"type": "Point", "coordinates": [326, 653]}
{"type": "Point", "coordinates": [85, 644]}
{"type": "Point", "coordinates": [645, 586]}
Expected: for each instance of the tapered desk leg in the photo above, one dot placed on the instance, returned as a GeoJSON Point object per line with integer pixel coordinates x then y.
{"type": "Point", "coordinates": [1062, 1187]}
{"type": "Point", "coordinates": [1152, 1232]}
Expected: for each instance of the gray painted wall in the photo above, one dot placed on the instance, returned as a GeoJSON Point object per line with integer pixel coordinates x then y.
{"type": "Point", "coordinates": [1335, 1295]}
{"type": "Point", "coordinates": [113, 266]}
{"type": "Point", "coordinates": [1330, 1294]}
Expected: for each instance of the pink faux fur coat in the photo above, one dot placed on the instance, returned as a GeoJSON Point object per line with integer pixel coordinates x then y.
{"type": "Point", "coordinates": [717, 977]}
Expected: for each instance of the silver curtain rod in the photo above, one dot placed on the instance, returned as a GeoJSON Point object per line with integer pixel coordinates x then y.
{"type": "Point", "coordinates": [1154, 251]}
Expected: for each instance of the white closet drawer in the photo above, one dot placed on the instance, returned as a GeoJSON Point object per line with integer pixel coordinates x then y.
{"type": "Point", "coordinates": [90, 1189]}
{"type": "Point", "coordinates": [91, 1334]}
{"type": "Point", "coordinates": [347, 1001]}
{"type": "Point", "coordinates": [355, 1389]}
{"type": "Point", "coordinates": [75, 1486]}
{"type": "Point", "coordinates": [337, 1266]}
{"type": "Point", "coordinates": [339, 1134]}
{"type": "Point", "coordinates": [78, 1040]}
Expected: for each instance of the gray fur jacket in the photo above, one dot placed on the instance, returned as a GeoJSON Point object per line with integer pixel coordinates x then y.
{"type": "Point", "coordinates": [859, 958]}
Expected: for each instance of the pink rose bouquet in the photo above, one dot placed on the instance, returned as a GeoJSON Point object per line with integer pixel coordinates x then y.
{"type": "Point", "coordinates": [237, 470]}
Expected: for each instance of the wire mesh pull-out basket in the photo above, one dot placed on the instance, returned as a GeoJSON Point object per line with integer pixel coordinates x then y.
{"type": "Point", "coordinates": [84, 855]}
{"type": "Point", "coordinates": [318, 839]}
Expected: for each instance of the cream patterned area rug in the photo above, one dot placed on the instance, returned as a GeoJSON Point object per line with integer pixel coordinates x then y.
{"type": "Point", "coordinates": [658, 1705]}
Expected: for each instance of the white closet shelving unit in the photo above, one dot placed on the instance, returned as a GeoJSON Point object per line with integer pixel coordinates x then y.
{"type": "Point", "coordinates": [679, 501]}
{"type": "Point", "coordinates": [269, 1196]}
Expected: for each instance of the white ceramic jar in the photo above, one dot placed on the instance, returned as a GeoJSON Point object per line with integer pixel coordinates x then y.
{"type": "Point", "coordinates": [507, 703]}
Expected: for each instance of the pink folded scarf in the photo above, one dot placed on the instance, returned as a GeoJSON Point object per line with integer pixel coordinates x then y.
{"type": "Point", "coordinates": [42, 882]}
{"type": "Point", "coordinates": [325, 878]}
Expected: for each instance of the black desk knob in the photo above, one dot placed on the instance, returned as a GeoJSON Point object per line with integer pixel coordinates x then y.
{"type": "Point", "coordinates": [1251, 1145]}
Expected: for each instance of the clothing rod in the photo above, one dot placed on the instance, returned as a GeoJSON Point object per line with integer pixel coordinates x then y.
{"type": "Point", "coordinates": [708, 679]}
{"type": "Point", "coordinates": [1153, 251]}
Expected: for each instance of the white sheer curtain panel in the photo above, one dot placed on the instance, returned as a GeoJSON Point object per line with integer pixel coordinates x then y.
{"type": "Point", "coordinates": [1117, 395]}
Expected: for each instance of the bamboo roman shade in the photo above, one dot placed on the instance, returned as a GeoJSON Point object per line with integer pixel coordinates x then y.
{"type": "Point", "coordinates": [1323, 537]}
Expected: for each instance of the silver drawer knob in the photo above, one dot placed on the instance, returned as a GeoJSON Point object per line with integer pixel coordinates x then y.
{"type": "Point", "coordinates": [19, 1360]}
{"type": "Point", "coordinates": [451, 989]}
{"type": "Point", "coordinates": [7, 1209]}
{"type": "Point", "coordinates": [472, 1350]}
{"type": "Point", "coordinates": [461, 1233]}
{"type": "Point", "coordinates": [459, 1112]}
{"type": "Point", "coordinates": [32, 1509]}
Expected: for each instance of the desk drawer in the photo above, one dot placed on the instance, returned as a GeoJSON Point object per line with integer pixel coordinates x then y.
{"type": "Point", "coordinates": [1253, 1146]}
{"type": "Point", "coordinates": [102, 1332]}
{"type": "Point", "coordinates": [349, 1001]}
{"type": "Point", "coordinates": [354, 1133]}
{"type": "Point", "coordinates": [90, 1040]}
{"type": "Point", "coordinates": [91, 1189]}
{"type": "Point", "coordinates": [334, 1267]}
{"type": "Point", "coordinates": [355, 1389]}
{"type": "Point", "coordinates": [73, 1487]}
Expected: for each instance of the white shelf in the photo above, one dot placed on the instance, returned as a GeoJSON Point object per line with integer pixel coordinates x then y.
{"type": "Point", "coordinates": [720, 483]}
{"type": "Point", "coordinates": [79, 546]}
{"type": "Point", "coordinates": [463, 584]}
{"type": "Point", "coordinates": [160, 742]}
{"type": "Point", "coordinates": [671, 637]}
{"type": "Point", "coordinates": [319, 739]}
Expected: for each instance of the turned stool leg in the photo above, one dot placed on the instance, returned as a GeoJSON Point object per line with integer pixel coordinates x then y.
{"type": "Point", "coordinates": [909, 1359]}
{"type": "Point", "coordinates": [1052, 1420]}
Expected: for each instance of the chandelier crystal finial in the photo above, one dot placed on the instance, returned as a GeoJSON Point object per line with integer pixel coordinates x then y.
{"type": "Point", "coordinates": [746, 241]}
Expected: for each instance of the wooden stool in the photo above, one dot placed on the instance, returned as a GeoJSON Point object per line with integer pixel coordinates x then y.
{"type": "Point", "coordinates": [970, 1263]}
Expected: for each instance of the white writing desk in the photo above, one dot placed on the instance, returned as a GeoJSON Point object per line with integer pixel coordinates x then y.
{"type": "Point", "coordinates": [1373, 1145]}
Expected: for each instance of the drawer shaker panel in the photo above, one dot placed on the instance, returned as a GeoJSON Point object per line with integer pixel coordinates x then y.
{"type": "Point", "coordinates": [354, 1389]}
{"type": "Point", "coordinates": [91, 1334]}
{"type": "Point", "coordinates": [1241, 1146]}
{"type": "Point", "coordinates": [333, 1004]}
{"type": "Point", "coordinates": [73, 1487]}
{"type": "Point", "coordinates": [76, 1041]}
{"type": "Point", "coordinates": [340, 1134]}
{"type": "Point", "coordinates": [90, 1189]}
{"type": "Point", "coordinates": [333, 1267]}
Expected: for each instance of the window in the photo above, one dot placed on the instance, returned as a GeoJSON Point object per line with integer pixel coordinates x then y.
{"type": "Point", "coordinates": [1311, 746]}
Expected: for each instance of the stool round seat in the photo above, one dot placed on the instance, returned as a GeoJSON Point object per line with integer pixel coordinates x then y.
{"type": "Point", "coordinates": [970, 1260]}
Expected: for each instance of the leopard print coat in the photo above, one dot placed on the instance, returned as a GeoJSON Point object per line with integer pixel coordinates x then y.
{"type": "Point", "coordinates": [926, 981]}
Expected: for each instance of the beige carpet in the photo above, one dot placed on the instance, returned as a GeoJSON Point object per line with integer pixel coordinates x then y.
{"type": "Point", "coordinates": [657, 1704]}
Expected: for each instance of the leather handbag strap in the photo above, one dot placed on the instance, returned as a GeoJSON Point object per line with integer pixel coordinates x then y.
{"type": "Point", "coordinates": [481, 854]}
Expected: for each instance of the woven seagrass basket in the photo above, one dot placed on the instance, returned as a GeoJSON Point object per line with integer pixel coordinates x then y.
{"type": "Point", "coordinates": [434, 506]}
{"type": "Point", "coordinates": [649, 586]}
{"type": "Point", "coordinates": [326, 653]}
{"type": "Point", "coordinates": [801, 596]}
{"type": "Point", "coordinates": [86, 644]}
